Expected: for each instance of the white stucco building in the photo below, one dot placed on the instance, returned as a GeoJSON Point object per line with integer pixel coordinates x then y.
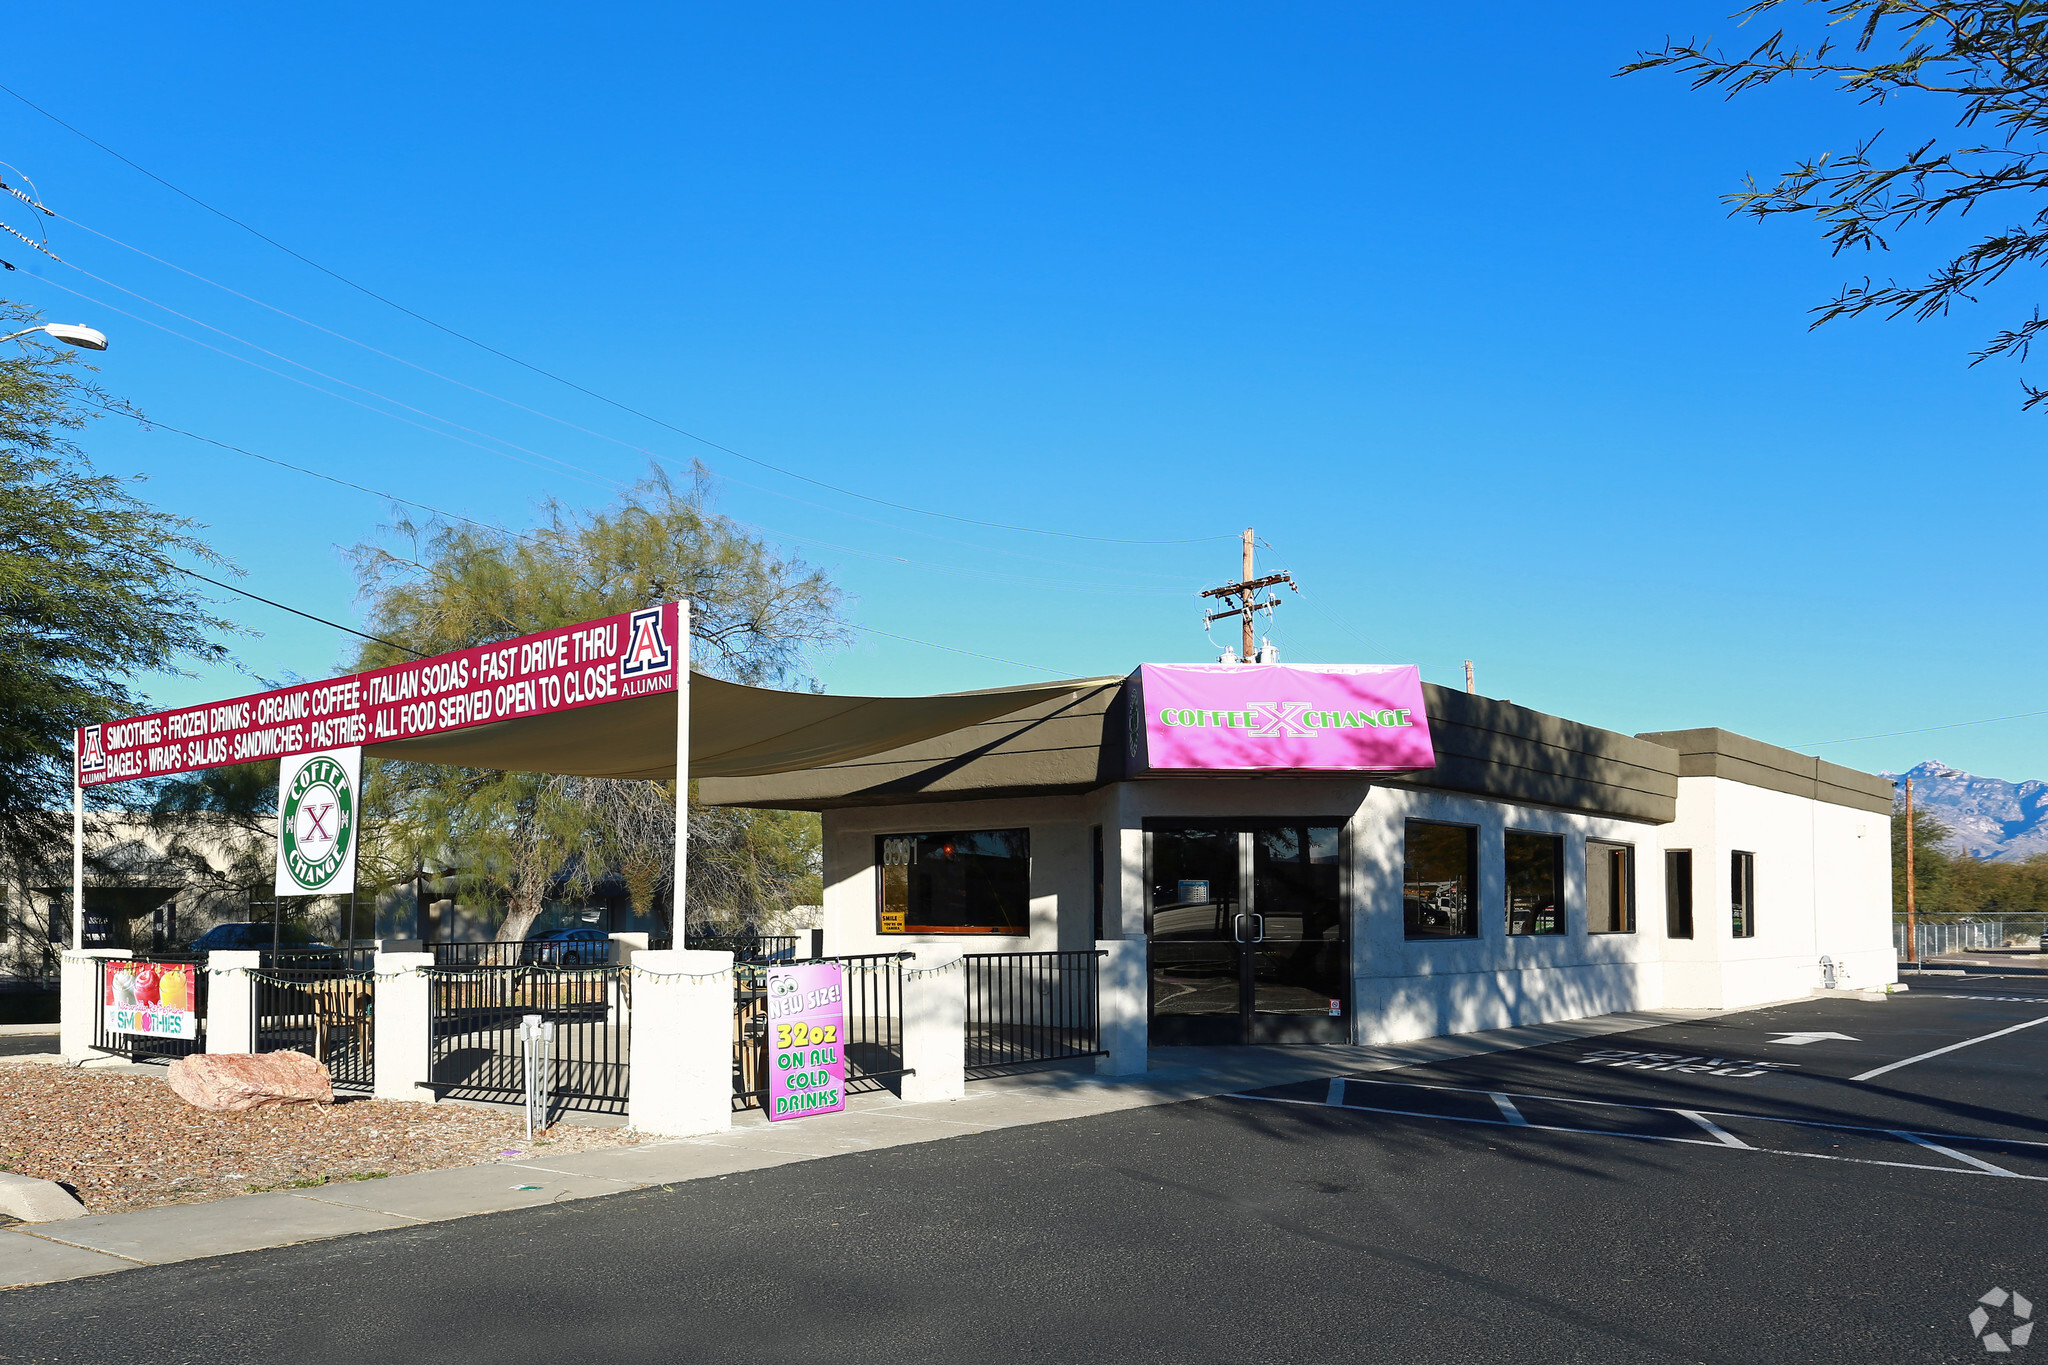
{"type": "Point", "coordinates": [1542, 869]}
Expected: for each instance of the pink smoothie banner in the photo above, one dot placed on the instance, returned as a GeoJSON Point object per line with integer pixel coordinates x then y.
{"type": "Point", "coordinates": [611, 659]}
{"type": "Point", "coordinates": [806, 1040]}
{"type": "Point", "coordinates": [1189, 719]}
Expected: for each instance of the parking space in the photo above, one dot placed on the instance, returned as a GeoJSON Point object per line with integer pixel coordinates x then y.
{"type": "Point", "coordinates": [1945, 1079]}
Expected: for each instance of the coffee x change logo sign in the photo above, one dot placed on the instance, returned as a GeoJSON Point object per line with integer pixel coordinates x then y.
{"type": "Point", "coordinates": [318, 802]}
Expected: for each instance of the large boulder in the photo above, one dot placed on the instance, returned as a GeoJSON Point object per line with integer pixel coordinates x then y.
{"type": "Point", "coordinates": [231, 1082]}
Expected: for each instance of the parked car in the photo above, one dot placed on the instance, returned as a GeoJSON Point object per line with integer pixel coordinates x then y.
{"type": "Point", "coordinates": [230, 937]}
{"type": "Point", "coordinates": [568, 948]}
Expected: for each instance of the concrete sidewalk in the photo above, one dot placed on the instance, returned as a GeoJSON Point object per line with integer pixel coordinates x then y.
{"type": "Point", "coordinates": [98, 1244]}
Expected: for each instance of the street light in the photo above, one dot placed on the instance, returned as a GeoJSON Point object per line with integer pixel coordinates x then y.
{"type": "Point", "coordinates": [67, 333]}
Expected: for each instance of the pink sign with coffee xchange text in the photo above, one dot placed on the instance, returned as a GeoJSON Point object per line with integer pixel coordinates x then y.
{"type": "Point", "coordinates": [1191, 719]}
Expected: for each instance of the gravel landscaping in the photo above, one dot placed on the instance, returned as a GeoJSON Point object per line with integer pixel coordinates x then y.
{"type": "Point", "coordinates": [125, 1142]}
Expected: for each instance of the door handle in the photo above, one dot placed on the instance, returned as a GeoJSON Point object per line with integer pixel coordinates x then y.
{"type": "Point", "coordinates": [1237, 927]}
{"type": "Point", "coordinates": [1259, 929]}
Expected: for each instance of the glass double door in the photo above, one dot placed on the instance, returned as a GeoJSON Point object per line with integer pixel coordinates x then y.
{"type": "Point", "coordinates": [1247, 929]}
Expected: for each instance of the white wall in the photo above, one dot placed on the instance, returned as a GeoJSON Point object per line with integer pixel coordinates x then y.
{"type": "Point", "coordinates": [1062, 871]}
{"type": "Point", "coordinates": [1418, 988]}
{"type": "Point", "coordinates": [1823, 888]}
{"type": "Point", "coordinates": [1823, 875]}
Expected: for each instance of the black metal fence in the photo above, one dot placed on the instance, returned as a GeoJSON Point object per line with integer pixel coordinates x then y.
{"type": "Point", "coordinates": [746, 947]}
{"type": "Point", "coordinates": [874, 1025]}
{"type": "Point", "coordinates": [532, 952]}
{"type": "Point", "coordinates": [324, 1011]}
{"type": "Point", "coordinates": [1024, 1009]}
{"type": "Point", "coordinates": [473, 1042]}
{"type": "Point", "coordinates": [117, 995]}
{"type": "Point", "coordinates": [343, 957]}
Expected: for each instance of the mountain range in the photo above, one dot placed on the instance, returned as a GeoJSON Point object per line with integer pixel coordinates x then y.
{"type": "Point", "coordinates": [1991, 818]}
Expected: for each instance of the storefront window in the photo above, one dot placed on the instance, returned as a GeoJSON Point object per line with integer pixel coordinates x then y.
{"type": "Point", "coordinates": [1610, 888]}
{"type": "Point", "coordinates": [969, 882]}
{"type": "Point", "coordinates": [1439, 880]}
{"type": "Point", "coordinates": [1678, 893]}
{"type": "Point", "coordinates": [1742, 889]}
{"type": "Point", "coordinates": [1535, 883]}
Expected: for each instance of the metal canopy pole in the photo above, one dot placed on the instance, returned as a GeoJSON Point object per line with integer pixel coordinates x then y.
{"type": "Point", "coordinates": [675, 915]}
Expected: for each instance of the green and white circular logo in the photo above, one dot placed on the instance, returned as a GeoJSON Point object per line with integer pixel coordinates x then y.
{"type": "Point", "coordinates": [319, 821]}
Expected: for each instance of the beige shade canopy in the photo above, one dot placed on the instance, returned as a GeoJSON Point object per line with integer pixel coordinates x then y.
{"type": "Point", "coordinates": [735, 731]}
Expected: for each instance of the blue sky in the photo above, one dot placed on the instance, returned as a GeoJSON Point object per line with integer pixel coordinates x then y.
{"type": "Point", "coordinates": [1452, 317]}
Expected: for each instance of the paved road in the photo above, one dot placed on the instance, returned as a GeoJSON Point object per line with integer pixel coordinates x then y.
{"type": "Point", "coordinates": [1304, 1223]}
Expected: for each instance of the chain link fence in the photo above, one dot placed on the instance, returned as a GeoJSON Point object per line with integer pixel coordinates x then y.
{"type": "Point", "coordinates": [1939, 938]}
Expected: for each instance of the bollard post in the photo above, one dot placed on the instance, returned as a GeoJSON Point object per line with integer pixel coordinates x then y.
{"type": "Point", "coordinates": [537, 1032]}
{"type": "Point", "coordinates": [80, 1003]}
{"type": "Point", "coordinates": [679, 1077]}
{"type": "Point", "coordinates": [1121, 1007]}
{"type": "Point", "coordinates": [231, 1000]}
{"type": "Point", "coordinates": [935, 1032]}
{"type": "Point", "coordinates": [403, 1019]}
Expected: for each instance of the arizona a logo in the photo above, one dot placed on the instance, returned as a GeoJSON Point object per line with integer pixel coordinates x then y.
{"type": "Point", "coordinates": [646, 646]}
{"type": "Point", "coordinates": [92, 754]}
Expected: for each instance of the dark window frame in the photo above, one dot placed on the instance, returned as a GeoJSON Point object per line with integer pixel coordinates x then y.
{"type": "Point", "coordinates": [1741, 893]}
{"type": "Point", "coordinates": [1007, 930]}
{"type": "Point", "coordinates": [1627, 884]}
{"type": "Point", "coordinates": [1471, 909]}
{"type": "Point", "coordinates": [1678, 893]}
{"type": "Point", "coordinates": [1563, 906]}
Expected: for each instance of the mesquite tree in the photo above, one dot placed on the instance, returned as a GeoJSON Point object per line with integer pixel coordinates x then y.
{"type": "Point", "coordinates": [517, 839]}
{"type": "Point", "coordinates": [91, 597]}
{"type": "Point", "coordinates": [1981, 66]}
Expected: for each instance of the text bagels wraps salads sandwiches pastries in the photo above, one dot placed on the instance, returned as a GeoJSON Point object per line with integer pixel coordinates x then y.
{"type": "Point", "coordinates": [615, 658]}
{"type": "Point", "coordinates": [158, 998]}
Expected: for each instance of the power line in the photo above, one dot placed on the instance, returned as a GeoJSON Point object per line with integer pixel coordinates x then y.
{"type": "Point", "coordinates": [375, 639]}
{"type": "Point", "coordinates": [569, 383]}
{"type": "Point", "coordinates": [1925, 729]}
{"type": "Point", "coordinates": [512, 403]}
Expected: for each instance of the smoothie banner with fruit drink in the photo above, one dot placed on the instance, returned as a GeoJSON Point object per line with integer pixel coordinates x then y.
{"type": "Point", "coordinates": [154, 998]}
{"type": "Point", "coordinates": [806, 1040]}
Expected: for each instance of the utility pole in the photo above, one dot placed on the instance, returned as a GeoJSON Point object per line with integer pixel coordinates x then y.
{"type": "Point", "coordinates": [1468, 677]}
{"type": "Point", "coordinates": [1242, 597]}
{"type": "Point", "coordinates": [1912, 944]}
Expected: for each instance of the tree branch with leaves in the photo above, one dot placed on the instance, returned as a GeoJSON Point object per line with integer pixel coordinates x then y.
{"type": "Point", "coordinates": [1983, 64]}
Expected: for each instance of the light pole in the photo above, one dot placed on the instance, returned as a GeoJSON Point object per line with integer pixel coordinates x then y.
{"type": "Point", "coordinates": [68, 333]}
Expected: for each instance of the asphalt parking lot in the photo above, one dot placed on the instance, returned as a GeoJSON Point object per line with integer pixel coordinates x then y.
{"type": "Point", "coordinates": [1715, 1191]}
{"type": "Point", "coordinates": [1946, 1078]}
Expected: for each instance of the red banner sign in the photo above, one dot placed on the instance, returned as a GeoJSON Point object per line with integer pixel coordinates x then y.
{"type": "Point", "coordinates": [629, 655]}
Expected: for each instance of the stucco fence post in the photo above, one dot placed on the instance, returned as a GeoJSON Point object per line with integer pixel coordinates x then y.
{"type": "Point", "coordinates": [402, 1018]}
{"type": "Point", "coordinates": [679, 1081]}
{"type": "Point", "coordinates": [231, 1000]}
{"type": "Point", "coordinates": [935, 1031]}
{"type": "Point", "coordinates": [78, 1004]}
{"type": "Point", "coordinates": [1121, 1007]}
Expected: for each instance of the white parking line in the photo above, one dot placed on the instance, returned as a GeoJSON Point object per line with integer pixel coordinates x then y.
{"type": "Point", "coordinates": [1967, 1042]}
{"type": "Point", "coordinates": [1717, 1113]}
{"type": "Point", "coordinates": [1508, 1110]}
{"type": "Point", "coordinates": [1727, 1138]}
{"type": "Point", "coordinates": [1647, 1137]}
{"type": "Point", "coordinates": [1952, 1152]}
